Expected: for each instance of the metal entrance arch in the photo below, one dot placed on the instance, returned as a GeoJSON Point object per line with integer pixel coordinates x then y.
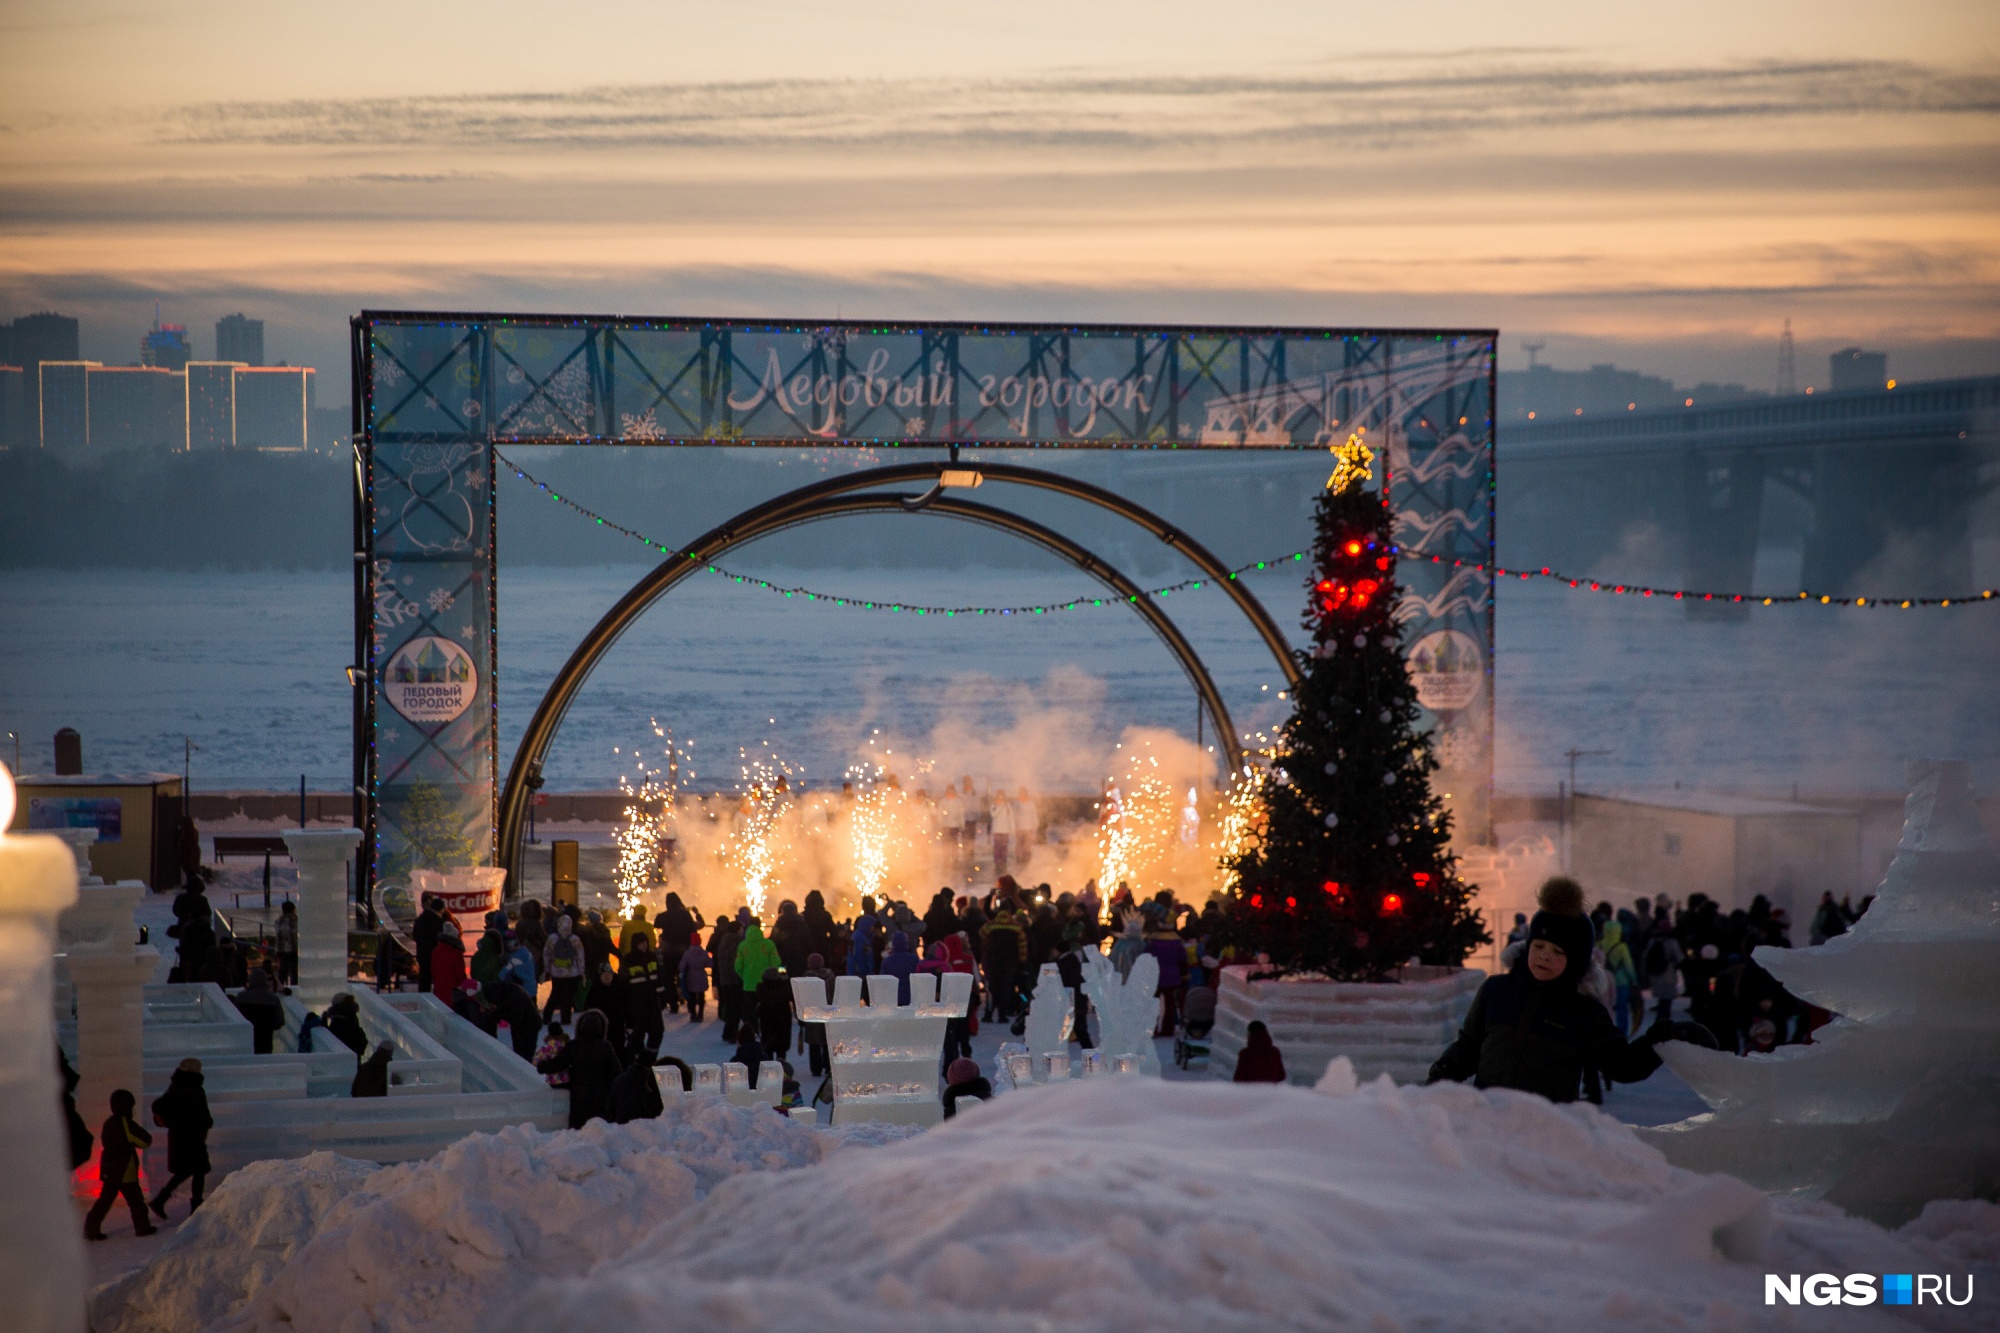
{"type": "Point", "coordinates": [1193, 551]}
{"type": "Point", "coordinates": [436, 393]}
{"type": "Point", "coordinates": [794, 510]}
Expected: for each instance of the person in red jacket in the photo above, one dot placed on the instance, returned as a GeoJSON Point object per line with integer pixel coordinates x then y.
{"type": "Point", "coordinates": [448, 964]}
{"type": "Point", "coordinates": [1259, 1061]}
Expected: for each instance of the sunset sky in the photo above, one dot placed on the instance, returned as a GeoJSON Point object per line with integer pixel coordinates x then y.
{"type": "Point", "coordinates": [1657, 185]}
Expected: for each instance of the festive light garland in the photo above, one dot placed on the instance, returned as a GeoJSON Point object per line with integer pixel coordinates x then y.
{"type": "Point", "coordinates": [1189, 585]}
{"type": "Point", "coordinates": [1697, 595]}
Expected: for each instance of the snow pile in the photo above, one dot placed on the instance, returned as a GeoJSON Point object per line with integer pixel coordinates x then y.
{"type": "Point", "coordinates": [446, 1244]}
{"type": "Point", "coordinates": [247, 1230]}
{"type": "Point", "coordinates": [1132, 1203]}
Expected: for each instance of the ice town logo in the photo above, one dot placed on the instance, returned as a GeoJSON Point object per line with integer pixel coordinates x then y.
{"type": "Point", "coordinates": [1860, 1289]}
{"type": "Point", "coordinates": [430, 680]}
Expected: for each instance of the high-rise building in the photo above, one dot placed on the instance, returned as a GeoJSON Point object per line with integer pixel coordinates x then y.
{"type": "Point", "coordinates": [166, 347]}
{"type": "Point", "coordinates": [43, 337]}
{"type": "Point", "coordinates": [211, 404]}
{"type": "Point", "coordinates": [136, 407]}
{"type": "Point", "coordinates": [239, 338]}
{"type": "Point", "coordinates": [27, 343]}
{"type": "Point", "coordinates": [273, 406]}
{"type": "Point", "coordinates": [13, 408]}
{"type": "Point", "coordinates": [62, 396]}
{"type": "Point", "coordinates": [1856, 369]}
{"type": "Point", "coordinates": [87, 409]}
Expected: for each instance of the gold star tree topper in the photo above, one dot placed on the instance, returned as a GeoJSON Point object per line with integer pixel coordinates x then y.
{"type": "Point", "coordinates": [1351, 462]}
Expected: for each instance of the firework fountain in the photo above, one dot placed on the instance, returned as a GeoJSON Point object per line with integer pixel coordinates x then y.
{"type": "Point", "coordinates": [882, 832]}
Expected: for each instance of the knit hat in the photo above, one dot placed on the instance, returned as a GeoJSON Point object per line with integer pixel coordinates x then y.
{"type": "Point", "coordinates": [1571, 934]}
{"type": "Point", "coordinates": [961, 1070]}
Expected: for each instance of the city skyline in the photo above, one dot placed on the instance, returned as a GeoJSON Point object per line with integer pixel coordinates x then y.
{"type": "Point", "coordinates": [1615, 190]}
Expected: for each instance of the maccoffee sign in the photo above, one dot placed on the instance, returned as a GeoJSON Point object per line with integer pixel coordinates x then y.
{"type": "Point", "coordinates": [430, 680]}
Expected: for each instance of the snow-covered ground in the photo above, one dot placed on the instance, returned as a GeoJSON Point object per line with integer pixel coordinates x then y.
{"type": "Point", "coordinates": [1108, 1204]}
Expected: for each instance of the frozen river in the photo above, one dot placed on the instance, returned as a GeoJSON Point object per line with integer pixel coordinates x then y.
{"type": "Point", "coordinates": [250, 667]}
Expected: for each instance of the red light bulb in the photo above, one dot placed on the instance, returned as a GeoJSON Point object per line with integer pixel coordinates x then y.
{"type": "Point", "coordinates": [1392, 903]}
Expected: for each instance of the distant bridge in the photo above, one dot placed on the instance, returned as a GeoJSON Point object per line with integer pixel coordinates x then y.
{"type": "Point", "coordinates": [1879, 487]}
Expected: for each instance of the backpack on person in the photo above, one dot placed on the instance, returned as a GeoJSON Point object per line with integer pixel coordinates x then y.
{"type": "Point", "coordinates": [1656, 957]}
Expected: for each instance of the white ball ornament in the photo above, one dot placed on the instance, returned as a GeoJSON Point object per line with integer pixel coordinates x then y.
{"type": "Point", "coordinates": [1332, 820]}
{"type": "Point", "coordinates": [1393, 840]}
{"type": "Point", "coordinates": [1361, 641]}
{"type": "Point", "coordinates": [1331, 768]}
{"type": "Point", "coordinates": [1388, 779]}
{"type": "Point", "coordinates": [1382, 716]}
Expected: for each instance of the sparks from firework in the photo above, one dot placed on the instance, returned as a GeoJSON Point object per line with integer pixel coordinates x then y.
{"type": "Point", "coordinates": [650, 818]}
{"type": "Point", "coordinates": [764, 798]}
{"type": "Point", "coordinates": [1242, 823]}
{"type": "Point", "coordinates": [874, 822]}
{"type": "Point", "coordinates": [1139, 824]}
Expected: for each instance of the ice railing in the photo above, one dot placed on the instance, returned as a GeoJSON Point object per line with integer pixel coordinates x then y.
{"type": "Point", "coordinates": [730, 1081]}
{"type": "Point", "coordinates": [883, 1054]}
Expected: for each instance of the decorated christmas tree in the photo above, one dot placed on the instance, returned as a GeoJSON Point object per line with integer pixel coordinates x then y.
{"type": "Point", "coordinates": [1352, 874]}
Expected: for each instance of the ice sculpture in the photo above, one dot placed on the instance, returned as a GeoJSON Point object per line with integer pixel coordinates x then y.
{"type": "Point", "coordinates": [1049, 1015]}
{"type": "Point", "coordinates": [41, 1259]}
{"type": "Point", "coordinates": [1898, 1100]}
{"type": "Point", "coordinates": [884, 1056]}
{"type": "Point", "coordinates": [729, 1081]}
{"type": "Point", "coordinates": [1125, 1012]}
{"type": "Point", "coordinates": [322, 856]}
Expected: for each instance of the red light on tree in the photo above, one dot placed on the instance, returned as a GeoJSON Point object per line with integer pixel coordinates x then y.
{"type": "Point", "coordinates": [1392, 903]}
{"type": "Point", "coordinates": [1421, 878]}
{"type": "Point", "coordinates": [1332, 888]}
{"type": "Point", "coordinates": [1291, 902]}
{"type": "Point", "coordinates": [1354, 548]}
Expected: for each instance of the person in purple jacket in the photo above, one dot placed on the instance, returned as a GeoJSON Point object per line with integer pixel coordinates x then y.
{"type": "Point", "coordinates": [692, 976]}
{"type": "Point", "coordinates": [1165, 944]}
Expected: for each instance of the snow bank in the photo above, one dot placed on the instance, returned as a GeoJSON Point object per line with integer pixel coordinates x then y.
{"type": "Point", "coordinates": [324, 1242]}
{"type": "Point", "coordinates": [1132, 1203]}
{"type": "Point", "coordinates": [1099, 1204]}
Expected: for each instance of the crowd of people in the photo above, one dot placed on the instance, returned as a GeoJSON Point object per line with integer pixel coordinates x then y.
{"type": "Point", "coordinates": [1653, 955]}
{"type": "Point", "coordinates": [587, 999]}
{"type": "Point", "coordinates": [1582, 996]}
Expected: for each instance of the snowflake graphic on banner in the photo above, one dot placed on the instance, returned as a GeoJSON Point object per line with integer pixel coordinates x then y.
{"type": "Point", "coordinates": [645, 427]}
{"type": "Point", "coordinates": [439, 600]}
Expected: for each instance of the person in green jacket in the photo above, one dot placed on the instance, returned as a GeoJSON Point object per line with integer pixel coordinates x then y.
{"type": "Point", "coordinates": [755, 955]}
{"type": "Point", "coordinates": [1618, 962]}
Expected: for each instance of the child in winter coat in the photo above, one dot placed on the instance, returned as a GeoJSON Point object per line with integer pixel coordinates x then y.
{"type": "Point", "coordinates": [550, 1048]}
{"type": "Point", "coordinates": [692, 977]}
{"type": "Point", "coordinates": [123, 1141]}
{"type": "Point", "coordinates": [1531, 1028]}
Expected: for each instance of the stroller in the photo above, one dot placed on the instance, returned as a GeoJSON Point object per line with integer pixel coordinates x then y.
{"type": "Point", "coordinates": [1197, 1020]}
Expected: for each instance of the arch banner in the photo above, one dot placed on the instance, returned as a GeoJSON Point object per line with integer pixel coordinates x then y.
{"type": "Point", "coordinates": [434, 393]}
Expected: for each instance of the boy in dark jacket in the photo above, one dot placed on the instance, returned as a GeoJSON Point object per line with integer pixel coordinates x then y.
{"type": "Point", "coordinates": [1532, 1029]}
{"type": "Point", "coordinates": [121, 1140]}
{"type": "Point", "coordinates": [182, 1110]}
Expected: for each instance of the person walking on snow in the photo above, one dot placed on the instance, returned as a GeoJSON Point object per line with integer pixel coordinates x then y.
{"type": "Point", "coordinates": [121, 1141]}
{"type": "Point", "coordinates": [562, 963]}
{"type": "Point", "coordinates": [182, 1110]}
{"type": "Point", "coordinates": [692, 978]}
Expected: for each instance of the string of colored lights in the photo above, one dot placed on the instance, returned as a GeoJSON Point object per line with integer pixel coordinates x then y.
{"type": "Point", "coordinates": [1697, 595]}
{"type": "Point", "coordinates": [1189, 585]}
